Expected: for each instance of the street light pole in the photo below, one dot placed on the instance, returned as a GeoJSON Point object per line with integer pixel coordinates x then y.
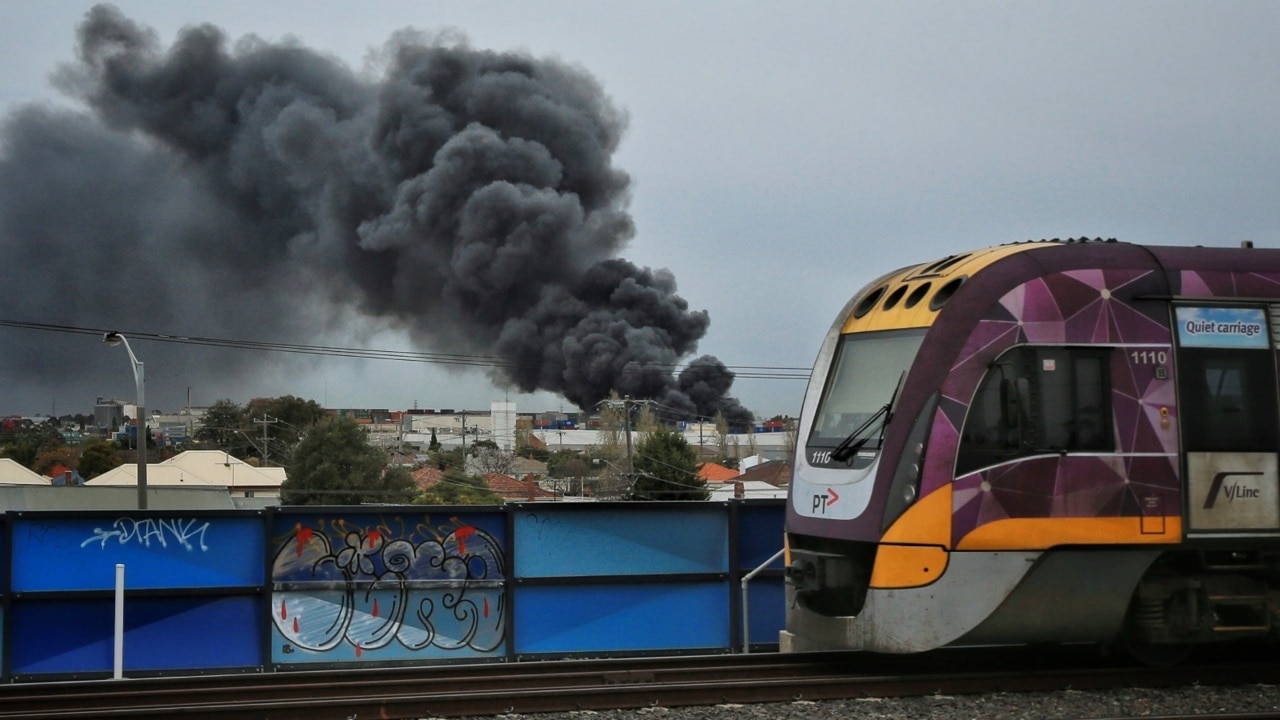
{"type": "Point", "coordinates": [140, 379]}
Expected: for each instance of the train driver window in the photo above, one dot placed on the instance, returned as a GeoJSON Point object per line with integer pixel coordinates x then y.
{"type": "Point", "coordinates": [1035, 400]}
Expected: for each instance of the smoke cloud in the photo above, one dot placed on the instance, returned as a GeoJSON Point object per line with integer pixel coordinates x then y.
{"type": "Point", "coordinates": [265, 190]}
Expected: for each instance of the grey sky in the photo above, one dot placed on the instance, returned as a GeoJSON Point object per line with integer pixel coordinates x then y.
{"type": "Point", "coordinates": [782, 155]}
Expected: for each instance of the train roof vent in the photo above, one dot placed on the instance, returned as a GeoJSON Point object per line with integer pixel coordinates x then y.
{"type": "Point", "coordinates": [1073, 241]}
{"type": "Point", "coordinates": [867, 303]}
{"type": "Point", "coordinates": [942, 265]}
{"type": "Point", "coordinates": [892, 301]}
{"type": "Point", "coordinates": [944, 293]}
{"type": "Point", "coordinates": [917, 295]}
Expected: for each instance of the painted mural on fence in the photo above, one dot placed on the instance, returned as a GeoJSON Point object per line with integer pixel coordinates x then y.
{"type": "Point", "coordinates": [375, 588]}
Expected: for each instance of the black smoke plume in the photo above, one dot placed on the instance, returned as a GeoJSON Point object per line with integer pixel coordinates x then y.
{"type": "Point", "coordinates": [261, 190]}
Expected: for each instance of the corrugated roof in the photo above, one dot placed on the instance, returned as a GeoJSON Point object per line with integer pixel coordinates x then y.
{"type": "Point", "coordinates": [13, 473]}
{"type": "Point", "coordinates": [207, 468]}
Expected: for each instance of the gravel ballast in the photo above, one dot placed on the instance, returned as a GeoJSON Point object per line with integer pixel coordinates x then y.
{"type": "Point", "coordinates": [1064, 705]}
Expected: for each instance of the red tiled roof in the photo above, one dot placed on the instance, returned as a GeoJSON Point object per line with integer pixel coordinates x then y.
{"type": "Point", "coordinates": [427, 477]}
{"type": "Point", "coordinates": [509, 488]}
{"type": "Point", "coordinates": [57, 470]}
{"type": "Point", "coordinates": [715, 472]}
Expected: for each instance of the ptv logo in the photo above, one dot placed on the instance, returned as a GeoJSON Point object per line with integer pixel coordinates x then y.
{"type": "Point", "coordinates": [822, 501]}
{"type": "Point", "coordinates": [1234, 491]}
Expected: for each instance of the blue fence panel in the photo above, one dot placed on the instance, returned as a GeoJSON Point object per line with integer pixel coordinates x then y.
{"type": "Point", "coordinates": [760, 537]}
{"type": "Point", "coordinates": [393, 585]}
{"type": "Point", "coordinates": [399, 584]}
{"type": "Point", "coordinates": [562, 620]}
{"type": "Point", "coordinates": [6, 572]}
{"type": "Point", "coordinates": [767, 602]}
{"type": "Point", "coordinates": [58, 553]}
{"type": "Point", "coordinates": [760, 533]}
{"type": "Point", "coordinates": [75, 636]}
{"type": "Point", "coordinates": [622, 539]}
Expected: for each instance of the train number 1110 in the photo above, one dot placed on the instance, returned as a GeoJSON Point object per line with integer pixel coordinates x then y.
{"type": "Point", "coordinates": [1149, 357]}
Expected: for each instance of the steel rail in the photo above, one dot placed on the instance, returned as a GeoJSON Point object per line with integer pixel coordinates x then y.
{"type": "Point", "coordinates": [575, 685]}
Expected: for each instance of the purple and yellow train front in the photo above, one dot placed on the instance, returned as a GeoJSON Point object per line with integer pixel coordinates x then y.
{"type": "Point", "coordinates": [1043, 442]}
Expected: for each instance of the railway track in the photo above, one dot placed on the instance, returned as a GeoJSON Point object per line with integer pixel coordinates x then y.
{"type": "Point", "coordinates": [533, 687]}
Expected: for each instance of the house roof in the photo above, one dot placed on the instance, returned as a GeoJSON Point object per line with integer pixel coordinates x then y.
{"type": "Point", "coordinates": [56, 470]}
{"type": "Point", "coordinates": [774, 472]}
{"type": "Point", "coordinates": [528, 466]}
{"type": "Point", "coordinates": [197, 468]}
{"type": "Point", "coordinates": [511, 489]}
{"type": "Point", "coordinates": [715, 472]}
{"type": "Point", "coordinates": [426, 477]}
{"type": "Point", "coordinates": [13, 473]}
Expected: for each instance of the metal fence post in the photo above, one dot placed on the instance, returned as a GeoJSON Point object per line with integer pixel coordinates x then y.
{"type": "Point", "coordinates": [746, 609]}
{"type": "Point", "coordinates": [119, 630]}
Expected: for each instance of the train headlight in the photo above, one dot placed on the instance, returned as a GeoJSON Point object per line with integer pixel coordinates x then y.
{"type": "Point", "coordinates": [909, 492]}
{"type": "Point", "coordinates": [906, 476]}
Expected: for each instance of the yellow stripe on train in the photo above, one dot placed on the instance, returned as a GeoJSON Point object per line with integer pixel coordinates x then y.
{"type": "Point", "coordinates": [1045, 533]}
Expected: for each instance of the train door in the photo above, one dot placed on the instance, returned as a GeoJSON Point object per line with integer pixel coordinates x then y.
{"type": "Point", "coordinates": [1228, 418]}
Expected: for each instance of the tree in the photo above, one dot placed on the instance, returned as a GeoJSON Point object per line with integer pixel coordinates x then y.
{"type": "Point", "coordinates": [611, 451]}
{"type": "Point", "coordinates": [99, 457]}
{"type": "Point", "coordinates": [494, 460]}
{"type": "Point", "coordinates": [458, 488]}
{"type": "Point", "coordinates": [789, 438]}
{"type": "Point", "coordinates": [646, 420]}
{"type": "Point", "coordinates": [46, 460]}
{"type": "Point", "coordinates": [21, 441]}
{"type": "Point", "coordinates": [334, 464]}
{"type": "Point", "coordinates": [294, 413]}
{"type": "Point", "coordinates": [221, 427]}
{"type": "Point", "coordinates": [666, 469]}
{"type": "Point", "coordinates": [524, 433]}
{"type": "Point", "coordinates": [722, 438]}
{"type": "Point", "coordinates": [285, 418]}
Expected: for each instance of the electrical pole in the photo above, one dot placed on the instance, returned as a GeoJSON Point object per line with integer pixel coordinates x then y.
{"type": "Point", "coordinates": [264, 422]}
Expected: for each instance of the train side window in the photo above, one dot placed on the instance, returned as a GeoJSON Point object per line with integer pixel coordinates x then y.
{"type": "Point", "coordinates": [1073, 410]}
{"type": "Point", "coordinates": [994, 429]}
{"type": "Point", "coordinates": [1228, 400]}
{"type": "Point", "coordinates": [1035, 400]}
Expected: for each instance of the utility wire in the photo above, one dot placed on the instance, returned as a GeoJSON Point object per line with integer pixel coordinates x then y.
{"type": "Point", "coordinates": [758, 372]}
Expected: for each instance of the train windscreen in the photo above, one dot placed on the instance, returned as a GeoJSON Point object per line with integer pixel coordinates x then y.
{"type": "Point", "coordinates": [865, 373]}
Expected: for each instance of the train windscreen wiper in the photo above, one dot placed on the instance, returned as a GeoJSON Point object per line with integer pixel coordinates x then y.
{"type": "Point", "coordinates": [878, 421]}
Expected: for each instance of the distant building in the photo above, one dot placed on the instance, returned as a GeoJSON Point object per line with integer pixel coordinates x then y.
{"type": "Point", "coordinates": [108, 415]}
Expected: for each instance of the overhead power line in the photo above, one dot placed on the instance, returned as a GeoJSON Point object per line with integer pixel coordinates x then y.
{"type": "Point", "coordinates": [758, 372]}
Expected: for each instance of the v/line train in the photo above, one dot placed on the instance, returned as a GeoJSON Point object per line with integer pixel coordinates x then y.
{"type": "Point", "coordinates": [1043, 442]}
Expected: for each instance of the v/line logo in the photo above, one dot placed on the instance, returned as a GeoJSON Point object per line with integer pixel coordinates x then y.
{"type": "Point", "coordinates": [1234, 491]}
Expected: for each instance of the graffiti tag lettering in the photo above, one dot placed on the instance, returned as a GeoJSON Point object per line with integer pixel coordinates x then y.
{"type": "Point", "coordinates": [146, 531]}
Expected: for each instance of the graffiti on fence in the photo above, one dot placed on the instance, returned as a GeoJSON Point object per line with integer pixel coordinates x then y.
{"type": "Point", "coordinates": [387, 591]}
{"type": "Point", "coordinates": [146, 531]}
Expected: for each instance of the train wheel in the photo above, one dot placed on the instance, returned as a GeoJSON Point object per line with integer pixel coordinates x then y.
{"type": "Point", "coordinates": [1151, 654]}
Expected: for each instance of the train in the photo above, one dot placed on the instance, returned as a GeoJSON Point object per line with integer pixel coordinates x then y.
{"type": "Point", "coordinates": [1055, 441]}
